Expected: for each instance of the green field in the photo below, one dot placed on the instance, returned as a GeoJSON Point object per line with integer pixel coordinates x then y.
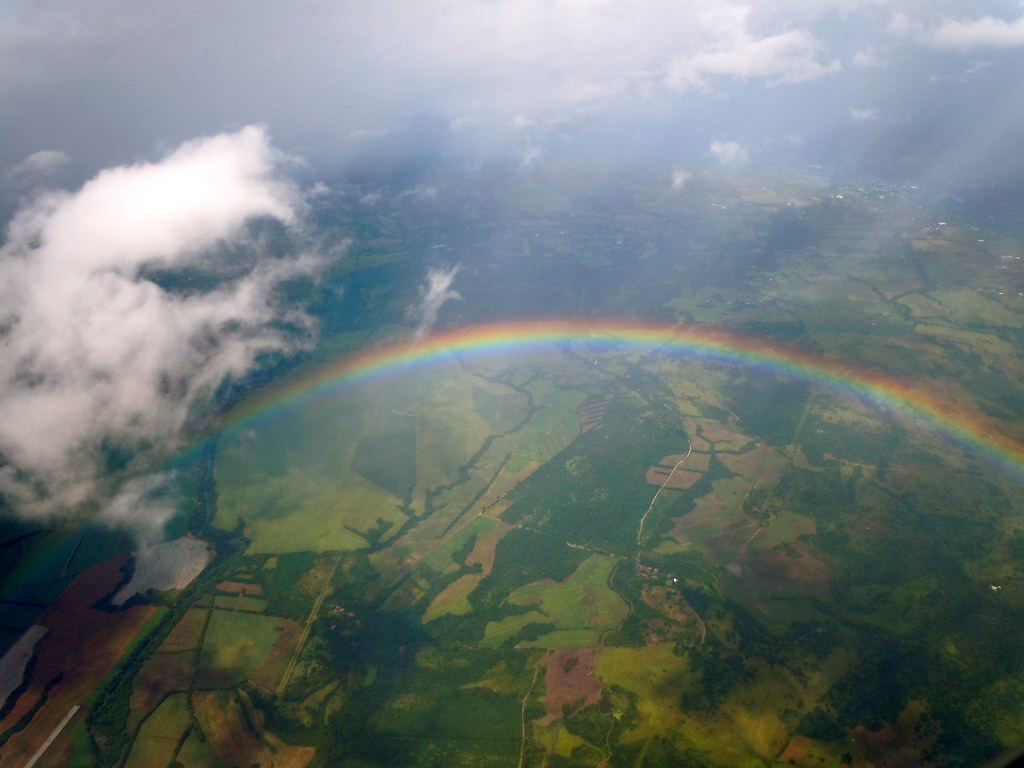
{"type": "Point", "coordinates": [240, 603]}
{"type": "Point", "coordinates": [158, 737]}
{"type": "Point", "coordinates": [238, 640]}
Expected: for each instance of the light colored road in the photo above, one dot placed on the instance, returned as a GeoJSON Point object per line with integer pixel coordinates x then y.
{"type": "Point", "coordinates": [640, 532]}
{"type": "Point", "coordinates": [54, 735]}
{"type": "Point", "coordinates": [287, 676]}
{"type": "Point", "coordinates": [522, 714]}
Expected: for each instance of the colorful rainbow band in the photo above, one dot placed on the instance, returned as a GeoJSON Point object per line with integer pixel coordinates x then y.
{"type": "Point", "coordinates": [886, 392]}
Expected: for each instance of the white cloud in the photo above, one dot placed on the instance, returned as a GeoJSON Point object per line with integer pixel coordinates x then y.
{"type": "Point", "coordinates": [465, 122]}
{"type": "Point", "coordinates": [360, 134]}
{"type": "Point", "coordinates": [160, 213]}
{"type": "Point", "coordinates": [94, 351]}
{"type": "Point", "coordinates": [529, 157]}
{"type": "Point", "coordinates": [42, 163]}
{"type": "Point", "coordinates": [901, 25]}
{"type": "Point", "coordinates": [319, 189]}
{"type": "Point", "coordinates": [679, 179]}
{"type": "Point", "coordinates": [423, 192]}
{"type": "Point", "coordinates": [521, 122]}
{"type": "Point", "coordinates": [973, 69]}
{"type": "Point", "coordinates": [732, 49]}
{"type": "Point", "coordinates": [867, 57]}
{"type": "Point", "coordinates": [433, 295]}
{"type": "Point", "coordinates": [987, 32]}
{"type": "Point", "coordinates": [863, 115]}
{"type": "Point", "coordinates": [142, 504]}
{"type": "Point", "coordinates": [728, 152]}
{"type": "Point", "coordinates": [334, 75]}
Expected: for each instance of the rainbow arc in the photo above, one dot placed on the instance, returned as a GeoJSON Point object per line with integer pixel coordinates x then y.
{"type": "Point", "coordinates": [901, 397]}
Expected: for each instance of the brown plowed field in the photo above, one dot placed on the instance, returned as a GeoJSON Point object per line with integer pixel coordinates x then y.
{"type": "Point", "coordinates": [681, 478]}
{"type": "Point", "coordinates": [186, 633]}
{"type": "Point", "coordinates": [221, 717]}
{"type": "Point", "coordinates": [569, 679]}
{"type": "Point", "coordinates": [240, 588]}
{"type": "Point", "coordinates": [83, 644]}
{"type": "Point", "coordinates": [161, 674]}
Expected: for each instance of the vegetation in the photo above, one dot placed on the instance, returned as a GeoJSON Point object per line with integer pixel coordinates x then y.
{"type": "Point", "coordinates": [448, 568]}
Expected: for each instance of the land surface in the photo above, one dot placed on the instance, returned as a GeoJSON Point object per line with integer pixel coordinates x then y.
{"type": "Point", "coordinates": [590, 554]}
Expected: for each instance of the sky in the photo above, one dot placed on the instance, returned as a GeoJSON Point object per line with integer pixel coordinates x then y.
{"type": "Point", "coordinates": [918, 89]}
{"type": "Point", "coordinates": [141, 139]}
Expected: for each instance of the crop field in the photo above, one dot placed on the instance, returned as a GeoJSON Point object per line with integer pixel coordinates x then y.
{"type": "Point", "coordinates": [655, 674]}
{"type": "Point", "coordinates": [196, 751]}
{"type": "Point", "coordinates": [669, 477]}
{"type": "Point", "coordinates": [268, 674]}
{"type": "Point", "coordinates": [553, 427]}
{"type": "Point", "coordinates": [717, 521]}
{"type": "Point", "coordinates": [185, 635]}
{"type": "Point", "coordinates": [236, 640]}
{"type": "Point", "coordinates": [762, 465]}
{"type": "Point", "coordinates": [234, 732]}
{"type": "Point", "coordinates": [453, 599]}
{"type": "Point", "coordinates": [402, 443]}
{"type": "Point", "coordinates": [577, 608]}
{"type": "Point", "coordinates": [288, 480]}
{"type": "Point", "coordinates": [162, 674]}
{"type": "Point", "coordinates": [71, 660]}
{"type": "Point", "coordinates": [239, 588]}
{"type": "Point", "coordinates": [449, 433]}
{"type": "Point", "coordinates": [160, 733]}
{"type": "Point", "coordinates": [504, 630]}
{"type": "Point", "coordinates": [240, 603]}
{"type": "Point", "coordinates": [502, 407]}
{"type": "Point", "coordinates": [569, 682]}
{"type": "Point", "coordinates": [317, 507]}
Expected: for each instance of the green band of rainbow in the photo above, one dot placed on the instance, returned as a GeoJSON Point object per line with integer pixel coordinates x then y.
{"type": "Point", "coordinates": [944, 415]}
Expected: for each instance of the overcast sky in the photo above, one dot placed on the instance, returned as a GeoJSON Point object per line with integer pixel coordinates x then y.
{"type": "Point", "coordinates": [917, 88]}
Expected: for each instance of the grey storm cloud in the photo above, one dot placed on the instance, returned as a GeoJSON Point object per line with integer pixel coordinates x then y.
{"type": "Point", "coordinates": [94, 350]}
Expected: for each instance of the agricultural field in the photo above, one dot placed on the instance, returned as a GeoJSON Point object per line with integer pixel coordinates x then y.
{"type": "Point", "coordinates": [16, 659]}
{"type": "Point", "coordinates": [82, 646]}
{"type": "Point", "coordinates": [755, 503]}
{"type": "Point", "coordinates": [578, 608]}
{"type": "Point", "coordinates": [157, 740]}
{"type": "Point", "coordinates": [647, 553]}
{"type": "Point", "coordinates": [238, 639]}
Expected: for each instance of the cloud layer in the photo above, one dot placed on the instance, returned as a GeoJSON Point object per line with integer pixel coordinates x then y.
{"type": "Point", "coordinates": [100, 363]}
{"type": "Point", "coordinates": [355, 82]}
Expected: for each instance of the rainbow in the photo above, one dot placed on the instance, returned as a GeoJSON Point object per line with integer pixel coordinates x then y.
{"type": "Point", "coordinates": [894, 395]}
